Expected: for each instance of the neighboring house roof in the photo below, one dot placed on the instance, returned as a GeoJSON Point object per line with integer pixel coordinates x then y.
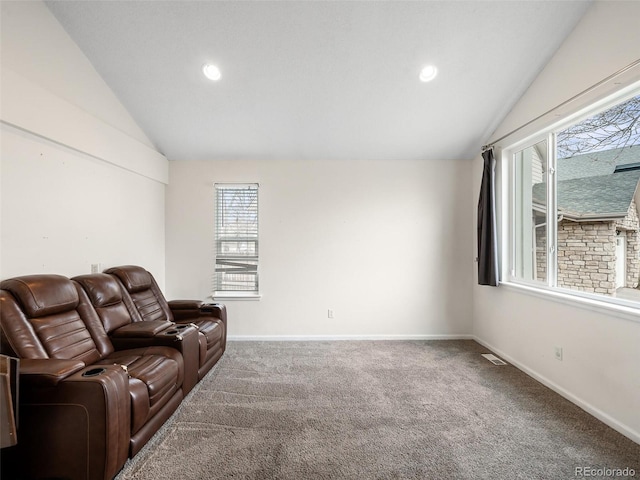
{"type": "Point", "coordinates": [596, 163]}
{"type": "Point", "coordinates": [604, 196]}
{"type": "Point", "coordinates": [588, 188]}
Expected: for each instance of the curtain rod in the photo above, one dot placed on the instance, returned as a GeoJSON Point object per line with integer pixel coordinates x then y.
{"type": "Point", "coordinates": [566, 102]}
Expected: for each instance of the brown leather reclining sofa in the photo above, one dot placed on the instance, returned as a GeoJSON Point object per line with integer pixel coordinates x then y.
{"type": "Point", "coordinates": [104, 362]}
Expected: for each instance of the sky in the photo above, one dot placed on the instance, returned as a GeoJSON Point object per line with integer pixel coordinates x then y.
{"type": "Point", "coordinates": [616, 127]}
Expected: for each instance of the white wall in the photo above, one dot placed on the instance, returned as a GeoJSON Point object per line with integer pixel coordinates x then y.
{"type": "Point", "coordinates": [384, 244]}
{"type": "Point", "coordinates": [80, 182]}
{"type": "Point", "coordinates": [600, 369]}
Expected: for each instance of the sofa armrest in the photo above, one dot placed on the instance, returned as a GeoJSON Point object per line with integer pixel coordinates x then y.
{"type": "Point", "coordinates": [185, 304]}
{"type": "Point", "coordinates": [185, 310]}
{"type": "Point", "coordinates": [47, 371]}
{"type": "Point", "coordinates": [146, 329]}
{"type": "Point", "coordinates": [87, 412]}
{"type": "Point", "coordinates": [218, 310]}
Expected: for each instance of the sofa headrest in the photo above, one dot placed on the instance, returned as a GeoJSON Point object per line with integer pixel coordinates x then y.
{"type": "Point", "coordinates": [134, 278]}
{"type": "Point", "coordinates": [103, 290]}
{"type": "Point", "coordinates": [42, 295]}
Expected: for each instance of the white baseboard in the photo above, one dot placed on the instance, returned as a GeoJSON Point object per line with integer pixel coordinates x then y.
{"type": "Point", "coordinates": [587, 407]}
{"type": "Point", "coordinates": [285, 338]}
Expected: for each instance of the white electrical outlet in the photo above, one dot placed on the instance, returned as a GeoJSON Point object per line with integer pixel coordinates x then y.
{"type": "Point", "coordinates": [330, 313]}
{"type": "Point", "coordinates": [558, 352]}
{"type": "Point", "coordinates": [95, 268]}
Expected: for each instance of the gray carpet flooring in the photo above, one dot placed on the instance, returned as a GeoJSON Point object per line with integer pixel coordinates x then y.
{"type": "Point", "coordinates": [375, 410]}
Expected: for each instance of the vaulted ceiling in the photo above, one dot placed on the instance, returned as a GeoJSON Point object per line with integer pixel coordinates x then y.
{"type": "Point", "coordinates": [318, 79]}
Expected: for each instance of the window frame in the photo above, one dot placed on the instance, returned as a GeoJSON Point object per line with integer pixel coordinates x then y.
{"type": "Point", "coordinates": [217, 240]}
{"type": "Point", "coordinates": [507, 214]}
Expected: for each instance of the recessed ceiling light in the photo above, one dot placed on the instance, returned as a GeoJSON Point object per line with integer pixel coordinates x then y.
{"type": "Point", "coordinates": [211, 72]}
{"type": "Point", "coordinates": [428, 73]}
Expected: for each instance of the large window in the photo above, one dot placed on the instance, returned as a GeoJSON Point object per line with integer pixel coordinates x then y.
{"type": "Point", "coordinates": [530, 207]}
{"type": "Point", "coordinates": [574, 202]}
{"type": "Point", "coordinates": [236, 239]}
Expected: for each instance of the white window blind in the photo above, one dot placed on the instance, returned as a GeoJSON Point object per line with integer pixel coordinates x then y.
{"type": "Point", "coordinates": [236, 237]}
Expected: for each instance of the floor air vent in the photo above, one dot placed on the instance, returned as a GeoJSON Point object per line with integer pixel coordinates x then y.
{"type": "Point", "coordinates": [493, 359]}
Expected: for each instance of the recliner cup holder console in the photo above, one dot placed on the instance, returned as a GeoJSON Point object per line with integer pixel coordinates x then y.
{"type": "Point", "coordinates": [94, 372]}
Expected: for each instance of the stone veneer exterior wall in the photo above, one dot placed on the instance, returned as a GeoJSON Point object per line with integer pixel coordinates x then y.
{"type": "Point", "coordinates": [541, 254]}
{"type": "Point", "coordinates": [631, 224]}
{"type": "Point", "coordinates": [587, 256]}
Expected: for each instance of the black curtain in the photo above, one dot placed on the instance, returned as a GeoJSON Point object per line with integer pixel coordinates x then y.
{"type": "Point", "coordinates": [487, 241]}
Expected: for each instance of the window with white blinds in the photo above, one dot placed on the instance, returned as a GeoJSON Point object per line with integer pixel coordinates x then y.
{"type": "Point", "coordinates": [236, 237]}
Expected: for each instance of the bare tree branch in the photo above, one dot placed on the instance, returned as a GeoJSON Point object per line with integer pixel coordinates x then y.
{"type": "Point", "coordinates": [614, 128]}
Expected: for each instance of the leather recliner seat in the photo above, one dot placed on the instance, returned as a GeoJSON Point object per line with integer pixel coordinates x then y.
{"type": "Point", "coordinates": [142, 295]}
{"type": "Point", "coordinates": [85, 406]}
{"type": "Point", "coordinates": [126, 329]}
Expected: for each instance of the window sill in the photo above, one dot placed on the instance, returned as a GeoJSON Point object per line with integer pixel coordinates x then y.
{"type": "Point", "coordinates": [236, 296]}
{"type": "Point", "coordinates": [623, 309]}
